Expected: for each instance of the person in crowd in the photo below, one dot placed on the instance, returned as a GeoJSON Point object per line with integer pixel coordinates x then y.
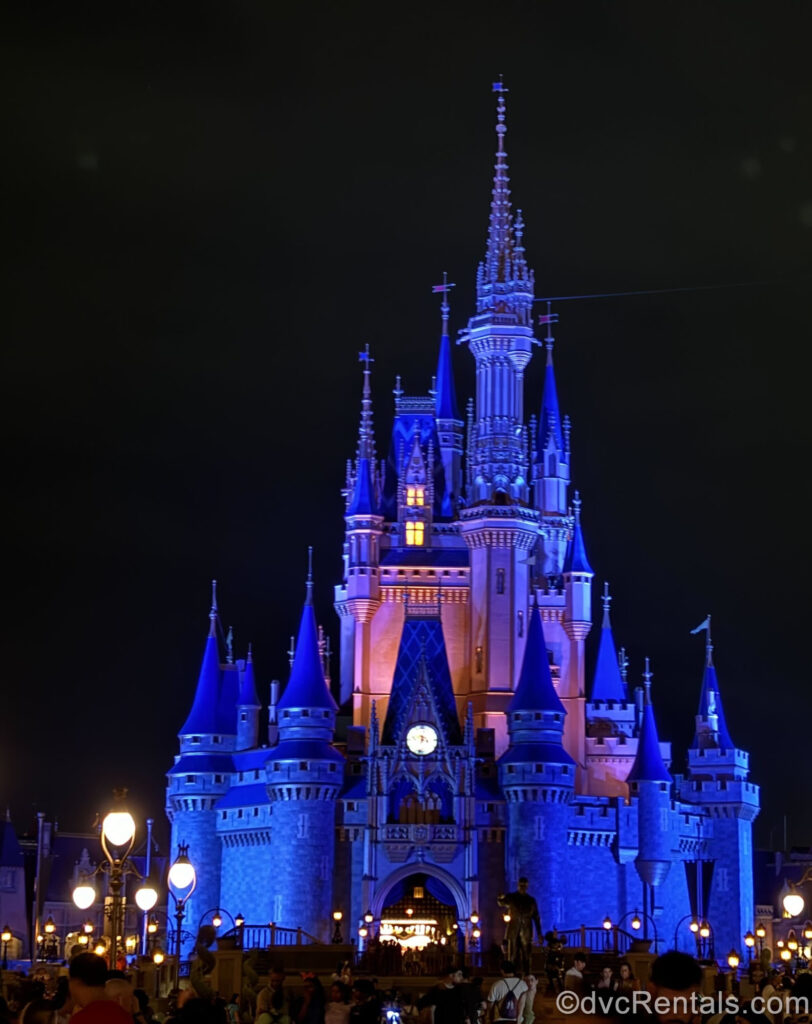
{"type": "Point", "coordinates": [40, 1011]}
{"type": "Point", "coordinates": [337, 1008]}
{"type": "Point", "coordinates": [365, 1008]}
{"type": "Point", "coordinates": [272, 999]}
{"type": "Point", "coordinates": [574, 977]}
{"type": "Point", "coordinates": [506, 998]}
{"type": "Point", "coordinates": [674, 985]}
{"type": "Point", "coordinates": [447, 999]}
{"type": "Point", "coordinates": [625, 983]}
{"type": "Point", "coordinates": [310, 1008]}
{"type": "Point", "coordinates": [529, 1014]}
{"type": "Point", "coordinates": [87, 977]}
{"type": "Point", "coordinates": [606, 981]}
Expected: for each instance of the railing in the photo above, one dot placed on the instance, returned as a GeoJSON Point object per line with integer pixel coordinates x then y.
{"type": "Point", "coordinates": [263, 936]}
{"type": "Point", "coordinates": [598, 939]}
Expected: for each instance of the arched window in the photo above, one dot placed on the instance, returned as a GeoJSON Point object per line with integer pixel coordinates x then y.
{"type": "Point", "coordinates": [414, 533]}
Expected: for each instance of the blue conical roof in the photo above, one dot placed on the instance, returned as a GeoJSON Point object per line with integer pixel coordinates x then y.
{"type": "Point", "coordinates": [422, 658]}
{"type": "Point", "coordinates": [550, 420]}
{"type": "Point", "coordinates": [446, 398]}
{"type": "Point", "coordinates": [248, 688]}
{"type": "Point", "coordinates": [648, 764]}
{"type": "Point", "coordinates": [203, 716]}
{"type": "Point", "coordinates": [576, 560]}
{"type": "Point", "coordinates": [363, 499]}
{"type": "Point", "coordinates": [307, 687]}
{"type": "Point", "coordinates": [608, 683]}
{"type": "Point", "coordinates": [535, 690]}
{"type": "Point", "coordinates": [710, 705]}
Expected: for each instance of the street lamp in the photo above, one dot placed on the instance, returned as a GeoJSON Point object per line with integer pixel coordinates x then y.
{"type": "Point", "coordinates": [117, 840]}
{"type": "Point", "coordinates": [607, 923]}
{"type": "Point", "coordinates": [158, 957]}
{"type": "Point", "coordinates": [337, 937]}
{"type": "Point", "coordinates": [6, 937]}
{"type": "Point", "coordinates": [369, 917]}
{"type": "Point", "coordinates": [636, 923]}
{"type": "Point", "coordinates": [733, 959]}
{"type": "Point", "coordinates": [217, 919]}
{"type": "Point", "coordinates": [183, 877]}
{"type": "Point", "coordinates": [749, 941]}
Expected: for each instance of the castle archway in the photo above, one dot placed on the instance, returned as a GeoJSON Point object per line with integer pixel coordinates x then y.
{"type": "Point", "coordinates": [420, 904]}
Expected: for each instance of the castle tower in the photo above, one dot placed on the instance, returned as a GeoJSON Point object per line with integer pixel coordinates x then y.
{"type": "Point", "coordinates": [305, 774]}
{"type": "Point", "coordinates": [248, 707]}
{"type": "Point", "coordinates": [551, 470]}
{"type": "Point", "coordinates": [650, 783]}
{"type": "Point", "coordinates": [537, 776]}
{"type": "Point", "coordinates": [199, 777]}
{"type": "Point", "coordinates": [717, 779]}
{"type": "Point", "coordinates": [499, 526]}
{"type": "Point", "coordinates": [363, 535]}
{"type": "Point", "coordinates": [611, 726]}
{"type": "Point", "coordinates": [577, 622]}
{"type": "Point", "coordinates": [449, 421]}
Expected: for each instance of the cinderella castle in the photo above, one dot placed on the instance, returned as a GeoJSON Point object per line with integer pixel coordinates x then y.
{"type": "Point", "coordinates": [472, 737]}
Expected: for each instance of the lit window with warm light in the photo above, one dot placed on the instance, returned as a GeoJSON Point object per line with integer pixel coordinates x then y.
{"type": "Point", "coordinates": [414, 533]}
{"type": "Point", "coordinates": [415, 495]}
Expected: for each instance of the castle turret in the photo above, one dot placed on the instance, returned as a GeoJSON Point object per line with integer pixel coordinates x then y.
{"type": "Point", "coordinates": [650, 782]}
{"type": "Point", "coordinates": [361, 598]}
{"type": "Point", "coordinates": [305, 773]}
{"type": "Point", "coordinates": [199, 777]}
{"type": "Point", "coordinates": [449, 421]}
{"type": "Point", "coordinates": [229, 694]}
{"type": "Point", "coordinates": [248, 707]}
{"type": "Point", "coordinates": [717, 779]}
{"type": "Point", "coordinates": [611, 718]}
{"type": "Point", "coordinates": [537, 776]}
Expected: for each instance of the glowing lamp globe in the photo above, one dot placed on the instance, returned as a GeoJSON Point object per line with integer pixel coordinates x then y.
{"type": "Point", "coordinates": [217, 920]}
{"type": "Point", "coordinates": [182, 873]}
{"type": "Point", "coordinates": [636, 923]}
{"type": "Point", "coordinates": [84, 895]}
{"type": "Point", "coordinates": [607, 922]}
{"type": "Point", "coordinates": [146, 897]}
{"type": "Point", "coordinates": [337, 915]}
{"type": "Point", "coordinates": [761, 931]}
{"type": "Point", "coordinates": [474, 917]}
{"type": "Point", "coordinates": [158, 957]}
{"type": "Point", "coordinates": [368, 917]}
{"type": "Point", "coordinates": [84, 940]}
{"type": "Point", "coordinates": [733, 959]}
{"type": "Point", "coordinates": [704, 930]}
{"type": "Point", "coordinates": [118, 828]}
{"type": "Point", "coordinates": [476, 933]}
{"type": "Point", "coordinates": [100, 950]}
{"type": "Point", "coordinates": [87, 927]}
{"type": "Point", "coordinates": [749, 940]}
{"type": "Point", "coordinates": [5, 935]}
{"type": "Point", "coordinates": [786, 955]}
{"type": "Point", "coordinates": [362, 932]}
{"type": "Point", "coordinates": [794, 904]}
{"type": "Point", "coordinates": [239, 920]}
{"type": "Point", "coordinates": [792, 941]}
{"type": "Point", "coordinates": [694, 926]}
{"type": "Point", "coordinates": [506, 918]}
{"type": "Point", "coordinates": [50, 926]}
{"type": "Point", "coordinates": [808, 930]}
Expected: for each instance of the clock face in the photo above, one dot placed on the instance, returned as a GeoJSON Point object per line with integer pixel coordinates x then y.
{"type": "Point", "coordinates": [421, 739]}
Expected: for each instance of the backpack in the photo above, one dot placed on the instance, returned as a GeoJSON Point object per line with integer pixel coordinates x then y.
{"type": "Point", "coordinates": [509, 1008]}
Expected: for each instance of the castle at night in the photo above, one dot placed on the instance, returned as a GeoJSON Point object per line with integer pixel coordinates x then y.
{"type": "Point", "coordinates": [485, 745]}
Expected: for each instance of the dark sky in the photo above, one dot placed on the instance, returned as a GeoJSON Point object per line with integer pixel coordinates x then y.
{"type": "Point", "coordinates": [209, 209]}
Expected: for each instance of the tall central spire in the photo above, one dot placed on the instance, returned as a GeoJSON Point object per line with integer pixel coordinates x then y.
{"type": "Point", "coordinates": [499, 232]}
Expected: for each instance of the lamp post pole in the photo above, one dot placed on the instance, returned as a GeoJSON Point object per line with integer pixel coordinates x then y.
{"type": "Point", "coordinates": [183, 877]}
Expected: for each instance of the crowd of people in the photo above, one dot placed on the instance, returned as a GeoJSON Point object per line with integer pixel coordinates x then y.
{"type": "Point", "coordinates": [92, 994]}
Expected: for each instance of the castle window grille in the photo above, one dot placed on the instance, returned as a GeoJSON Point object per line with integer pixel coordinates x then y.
{"type": "Point", "coordinates": [243, 716]}
{"type": "Point", "coordinates": [190, 780]}
{"type": "Point", "coordinates": [217, 739]}
{"type": "Point", "coordinates": [500, 581]}
{"type": "Point", "coordinates": [195, 739]}
{"type": "Point", "coordinates": [256, 773]}
{"type": "Point", "coordinates": [256, 812]}
{"type": "Point", "coordinates": [303, 766]}
{"type": "Point", "coordinates": [218, 779]}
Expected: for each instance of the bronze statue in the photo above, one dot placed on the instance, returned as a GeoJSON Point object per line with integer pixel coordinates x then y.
{"type": "Point", "coordinates": [524, 913]}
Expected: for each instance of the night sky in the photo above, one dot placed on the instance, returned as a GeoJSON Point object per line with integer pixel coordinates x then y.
{"type": "Point", "coordinates": [209, 210]}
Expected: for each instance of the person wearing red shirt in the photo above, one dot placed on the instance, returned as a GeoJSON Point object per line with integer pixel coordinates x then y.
{"type": "Point", "coordinates": [87, 975]}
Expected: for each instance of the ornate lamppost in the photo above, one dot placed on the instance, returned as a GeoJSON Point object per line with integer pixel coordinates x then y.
{"type": "Point", "coordinates": [117, 841]}
{"type": "Point", "coordinates": [183, 878]}
{"type": "Point", "coordinates": [6, 937]}
{"type": "Point", "coordinates": [337, 916]}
